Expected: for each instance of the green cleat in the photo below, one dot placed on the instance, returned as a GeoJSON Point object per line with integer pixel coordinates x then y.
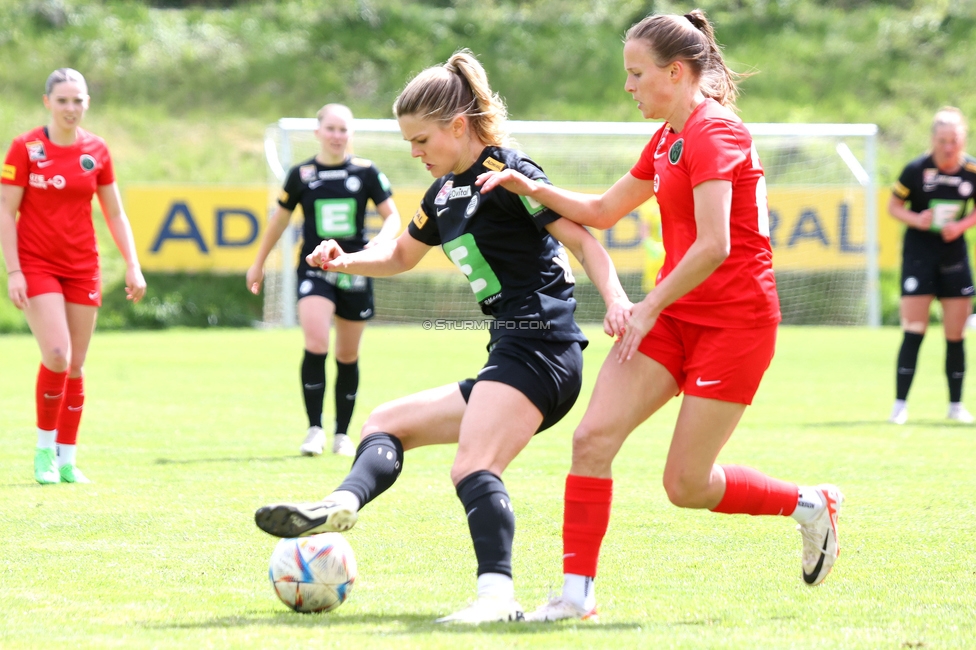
{"type": "Point", "coordinates": [45, 471]}
{"type": "Point", "coordinates": [71, 474]}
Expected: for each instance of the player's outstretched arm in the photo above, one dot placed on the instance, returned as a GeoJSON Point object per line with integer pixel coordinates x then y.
{"type": "Point", "coordinates": [597, 210]}
{"type": "Point", "coordinates": [118, 225]}
{"type": "Point", "coordinates": [380, 261]}
{"type": "Point", "coordinates": [599, 268]}
{"type": "Point", "coordinates": [276, 226]}
{"type": "Point", "coordinates": [10, 198]}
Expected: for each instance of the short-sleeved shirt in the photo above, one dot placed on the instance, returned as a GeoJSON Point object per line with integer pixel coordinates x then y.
{"type": "Point", "coordinates": [333, 200]}
{"type": "Point", "coordinates": [714, 145]}
{"type": "Point", "coordinates": [923, 186]}
{"type": "Point", "coordinates": [55, 233]}
{"type": "Point", "coordinates": [518, 272]}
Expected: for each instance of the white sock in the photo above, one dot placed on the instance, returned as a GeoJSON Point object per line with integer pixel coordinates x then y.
{"type": "Point", "coordinates": [809, 505]}
{"type": "Point", "coordinates": [496, 585]}
{"type": "Point", "coordinates": [45, 439]}
{"type": "Point", "coordinates": [580, 591]}
{"type": "Point", "coordinates": [345, 498]}
{"type": "Point", "coordinates": [66, 454]}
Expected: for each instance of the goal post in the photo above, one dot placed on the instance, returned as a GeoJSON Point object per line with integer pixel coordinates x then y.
{"type": "Point", "coordinates": [828, 248]}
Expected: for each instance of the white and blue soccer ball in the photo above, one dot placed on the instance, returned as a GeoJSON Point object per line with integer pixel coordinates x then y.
{"type": "Point", "coordinates": [313, 574]}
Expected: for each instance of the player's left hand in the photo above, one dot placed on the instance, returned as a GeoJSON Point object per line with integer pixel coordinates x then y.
{"type": "Point", "coordinates": [642, 319]}
{"type": "Point", "coordinates": [135, 284]}
{"type": "Point", "coordinates": [952, 231]}
{"type": "Point", "coordinates": [618, 313]}
{"type": "Point", "coordinates": [509, 179]}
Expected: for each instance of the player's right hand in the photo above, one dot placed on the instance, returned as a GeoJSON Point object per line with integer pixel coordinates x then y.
{"type": "Point", "coordinates": [924, 220]}
{"type": "Point", "coordinates": [324, 253]}
{"type": "Point", "coordinates": [254, 278]}
{"type": "Point", "coordinates": [17, 289]}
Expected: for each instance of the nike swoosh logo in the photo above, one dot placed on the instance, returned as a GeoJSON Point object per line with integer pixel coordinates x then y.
{"type": "Point", "coordinates": [93, 295]}
{"type": "Point", "coordinates": [74, 408]}
{"type": "Point", "coordinates": [58, 396]}
{"type": "Point", "coordinates": [365, 313]}
{"type": "Point", "coordinates": [566, 555]}
{"type": "Point", "coordinates": [471, 512]}
{"type": "Point", "coordinates": [486, 369]}
{"type": "Point", "coordinates": [351, 396]}
{"type": "Point", "coordinates": [699, 382]}
{"type": "Point", "coordinates": [811, 577]}
{"type": "Point", "coordinates": [44, 163]}
{"type": "Point", "coordinates": [314, 386]}
{"type": "Point", "coordinates": [442, 211]}
{"type": "Point", "coordinates": [314, 184]}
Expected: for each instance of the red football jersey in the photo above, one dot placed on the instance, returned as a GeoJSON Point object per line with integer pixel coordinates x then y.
{"type": "Point", "coordinates": [55, 231]}
{"type": "Point", "coordinates": [714, 145]}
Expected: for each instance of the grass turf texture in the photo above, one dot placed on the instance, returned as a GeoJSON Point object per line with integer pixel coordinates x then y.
{"type": "Point", "coordinates": [186, 432]}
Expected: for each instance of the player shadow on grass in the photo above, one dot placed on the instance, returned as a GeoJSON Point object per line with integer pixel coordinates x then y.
{"type": "Point", "coordinates": [940, 423]}
{"type": "Point", "coordinates": [405, 623]}
{"type": "Point", "coordinates": [239, 459]}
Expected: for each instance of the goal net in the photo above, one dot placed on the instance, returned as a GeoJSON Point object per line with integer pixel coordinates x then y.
{"type": "Point", "coordinates": [823, 207]}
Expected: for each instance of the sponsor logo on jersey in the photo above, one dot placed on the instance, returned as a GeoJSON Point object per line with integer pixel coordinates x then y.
{"type": "Point", "coordinates": [38, 181]}
{"type": "Point", "coordinates": [353, 184]}
{"type": "Point", "coordinates": [931, 178]}
{"type": "Point", "coordinates": [674, 153]}
{"type": "Point", "coordinates": [361, 162]}
{"type": "Point", "coordinates": [965, 189]}
{"type": "Point", "coordinates": [333, 174]}
{"type": "Point", "coordinates": [384, 181]}
{"type": "Point", "coordinates": [493, 165]}
{"type": "Point", "coordinates": [460, 193]}
{"type": "Point", "coordinates": [472, 207]}
{"type": "Point", "coordinates": [9, 173]}
{"type": "Point", "coordinates": [307, 173]}
{"type": "Point", "coordinates": [283, 197]}
{"type": "Point", "coordinates": [87, 162]}
{"type": "Point", "coordinates": [445, 191]}
{"type": "Point", "coordinates": [35, 150]}
{"type": "Point", "coordinates": [419, 219]}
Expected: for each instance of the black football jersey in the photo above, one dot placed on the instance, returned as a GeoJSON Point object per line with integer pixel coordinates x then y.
{"type": "Point", "coordinates": [950, 196]}
{"type": "Point", "coordinates": [333, 201]}
{"type": "Point", "coordinates": [518, 272]}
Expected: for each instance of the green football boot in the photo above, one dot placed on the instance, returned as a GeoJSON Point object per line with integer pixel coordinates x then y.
{"type": "Point", "coordinates": [45, 470]}
{"type": "Point", "coordinates": [71, 474]}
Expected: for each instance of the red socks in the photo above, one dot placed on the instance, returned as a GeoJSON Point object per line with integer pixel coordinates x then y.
{"type": "Point", "coordinates": [585, 517]}
{"type": "Point", "coordinates": [70, 417]}
{"type": "Point", "coordinates": [48, 396]}
{"type": "Point", "coordinates": [748, 491]}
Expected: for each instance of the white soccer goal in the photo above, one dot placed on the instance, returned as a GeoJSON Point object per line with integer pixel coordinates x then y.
{"type": "Point", "coordinates": [822, 197]}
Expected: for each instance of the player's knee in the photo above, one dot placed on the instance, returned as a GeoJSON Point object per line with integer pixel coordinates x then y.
{"type": "Point", "coordinates": [685, 491]}
{"type": "Point", "coordinates": [382, 420]}
{"type": "Point", "coordinates": [914, 327]}
{"type": "Point", "coordinates": [590, 445]}
{"type": "Point", "coordinates": [57, 359]}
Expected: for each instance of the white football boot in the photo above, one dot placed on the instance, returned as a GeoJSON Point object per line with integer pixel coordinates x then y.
{"type": "Point", "coordinates": [342, 445]}
{"type": "Point", "coordinates": [558, 609]}
{"type": "Point", "coordinates": [314, 442]}
{"type": "Point", "coordinates": [899, 412]}
{"type": "Point", "coordinates": [821, 547]}
{"type": "Point", "coordinates": [486, 609]}
{"type": "Point", "coordinates": [304, 519]}
{"type": "Point", "coordinates": [959, 413]}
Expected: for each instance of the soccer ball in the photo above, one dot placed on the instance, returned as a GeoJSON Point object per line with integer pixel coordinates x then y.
{"type": "Point", "coordinates": [313, 574]}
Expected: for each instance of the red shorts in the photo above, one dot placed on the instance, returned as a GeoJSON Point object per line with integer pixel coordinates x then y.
{"type": "Point", "coordinates": [715, 362]}
{"type": "Point", "coordinates": [80, 291]}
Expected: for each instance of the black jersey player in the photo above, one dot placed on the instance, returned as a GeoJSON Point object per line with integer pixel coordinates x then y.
{"type": "Point", "coordinates": [509, 249]}
{"type": "Point", "coordinates": [934, 198]}
{"type": "Point", "coordinates": [333, 189]}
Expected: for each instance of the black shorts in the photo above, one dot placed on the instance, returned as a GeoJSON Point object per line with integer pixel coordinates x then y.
{"type": "Point", "coordinates": [549, 373]}
{"type": "Point", "coordinates": [352, 295]}
{"type": "Point", "coordinates": [935, 269]}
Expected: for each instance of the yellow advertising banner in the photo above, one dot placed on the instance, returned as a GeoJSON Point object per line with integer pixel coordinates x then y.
{"type": "Point", "coordinates": [195, 227]}
{"type": "Point", "coordinates": [219, 228]}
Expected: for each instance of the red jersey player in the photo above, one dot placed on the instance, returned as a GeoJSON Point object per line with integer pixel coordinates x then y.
{"type": "Point", "coordinates": [707, 329]}
{"type": "Point", "coordinates": [49, 177]}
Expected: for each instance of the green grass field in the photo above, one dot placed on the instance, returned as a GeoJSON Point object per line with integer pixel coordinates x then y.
{"type": "Point", "coordinates": [185, 433]}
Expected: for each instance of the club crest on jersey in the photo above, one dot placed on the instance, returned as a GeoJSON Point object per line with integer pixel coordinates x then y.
{"type": "Point", "coordinates": [674, 153]}
{"type": "Point", "coordinates": [307, 173]}
{"type": "Point", "coordinates": [87, 162]}
{"type": "Point", "coordinates": [472, 206]}
{"type": "Point", "coordinates": [353, 184]}
{"type": "Point", "coordinates": [35, 150]}
{"type": "Point", "coordinates": [965, 188]}
{"type": "Point", "coordinates": [445, 191]}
